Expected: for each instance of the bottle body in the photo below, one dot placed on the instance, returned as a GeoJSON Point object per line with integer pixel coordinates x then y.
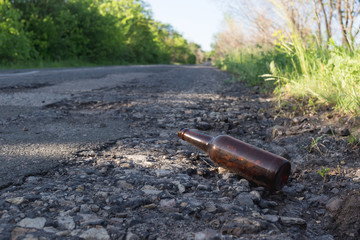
{"type": "Point", "coordinates": [252, 163]}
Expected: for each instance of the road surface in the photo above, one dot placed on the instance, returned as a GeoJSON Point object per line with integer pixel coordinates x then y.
{"type": "Point", "coordinates": [41, 127]}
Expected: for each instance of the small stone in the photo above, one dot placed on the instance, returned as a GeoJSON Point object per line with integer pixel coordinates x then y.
{"type": "Point", "coordinates": [344, 132]}
{"type": "Point", "coordinates": [244, 182]}
{"type": "Point", "coordinates": [90, 219]}
{"type": "Point", "coordinates": [271, 218]}
{"type": "Point", "coordinates": [292, 221]}
{"type": "Point", "coordinates": [98, 233]}
{"type": "Point", "coordinates": [19, 232]}
{"type": "Point", "coordinates": [94, 208]}
{"type": "Point", "coordinates": [150, 206]}
{"type": "Point", "coordinates": [275, 131]}
{"type": "Point", "coordinates": [255, 195]}
{"type": "Point", "coordinates": [16, 200]}
{"type": "Point", "coordinates": [222, 171]}
{"type": "Point", "coordinates": [357, 173]}
{"type": "Point", "coordinates": [203, 126]}
{"type": "Point", "coordinates": [213, 115]}
{"type": "Point", "coordinates": [66, 222]}
{"type": "Point", "coordinates": [210, 207]}
{"type": "Point", "coordinates": [325, 237]}
{"type": "Point", "coordinates": [80, 188]}
{"type": "Point", "coordinates": [84, 208]}
{"type": "Point", "coordinates": [50, 230]}
{"type": "Point", "coordinates": [162, 173]}
{"type": "Point", "coordinates": [299, 188]}
{"type": "Point", "coordinates": [138, 116]}
{"type": "Point", "coordinates": [165, 203]}
{"type": "Point", "coordinates": [150, 190]}
{"type": "Point", "coordinates": [320, 211]}
{"type": "Point", "coordinates": [243, 225]}
{"type": "Point", "coordinates": [73, 233]}
{"type": "Point", "coordinates": [207, 234]}
{"type": "Point", "coordinates": [326, 130]}
{"type": "Point", "coordinates": [32, 179]}
{"type": "Point", "coordinates": [245, 200]}
{"type": "Point", "coordinates": [203, 187]}
{"type": "Point", "coordinates": [164, 135]}
{"type": "Point", "coordinates": [335, 191]}
{"type": "Point", "coordinates": [122, 184]}
{"type": "Point", "coordinates": [334, 204]}
{"type": "Point", "coordinates": [137, 201]}
{"type": "Point", "coordinates": [289, 190]}
{"type": "Point", "coordinates": [37, 223]}
{"type": "Point", "coordinates": [181, 187]}
{"type": "Point", "coordinates": [102, 194]}
{"type": "Point", "coordinates": [131, 236]}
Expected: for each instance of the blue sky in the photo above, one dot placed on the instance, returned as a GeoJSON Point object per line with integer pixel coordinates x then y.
{"type": "Point", "coordinates": [197, 20]}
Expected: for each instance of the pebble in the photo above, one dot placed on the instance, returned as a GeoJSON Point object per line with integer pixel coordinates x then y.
{"type": "Point", "coordinates": [131, 236]}
{"type": "Point", "coordinates": [66, 222]}
{"type": "Point", "coordinates": [242, 225]}
{"type": "Point", "coordinates": [271, 218]}
{"type": "Point", "coordinates": [37, 223]}
{"type": "Point", "coordinates": [207, 234]}
{"type": "Point", "coordinates": [181, 187]}
{"type": "Point", "coordinates": [357, 173]}
{"type": "Point", "coordinates": [150, 190]}
{"type": "Point", "coordinates": [162, 173]}
{"type": "Point", "coordinates": [334, 204]}
{"type": "Point", "coordinates": [245, 200]}
{"type": "Point", "coordinates": [98, 233]}
{"type": "Point", "coordinates": [89, 219]}
{"type": "Point", "coordinates": [255, 196]}
{"type": "Point", "coordinates": [292, 220]}
{"type": "Point", "coordinates": [16, 200]}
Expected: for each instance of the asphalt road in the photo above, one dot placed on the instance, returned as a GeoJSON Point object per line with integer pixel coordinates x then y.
{"type": "Point", "coordinates": [43, 124]}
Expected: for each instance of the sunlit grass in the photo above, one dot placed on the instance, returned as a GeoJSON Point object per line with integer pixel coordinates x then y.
{"type": "Point", "coordinates": [248, 64]}
{"type": "Point", "coordinates": [327, 76]}
{"type": "Point", "coordinates": [302, 71]}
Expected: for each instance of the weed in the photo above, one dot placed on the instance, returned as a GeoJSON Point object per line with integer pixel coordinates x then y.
{"type": "Point", "coordinates": [323, 173]}
{"type": "Point", "coordinates": [315, 144]}
{"type": "Point", "coordinates": [354, 139]}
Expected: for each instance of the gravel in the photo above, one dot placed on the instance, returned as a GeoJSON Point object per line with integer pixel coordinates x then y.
{"type": "Point", "coordinates": [148, 184]}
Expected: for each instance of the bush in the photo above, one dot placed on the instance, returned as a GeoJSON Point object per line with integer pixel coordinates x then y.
{"type": "Point", "coordinates": [14, 44]}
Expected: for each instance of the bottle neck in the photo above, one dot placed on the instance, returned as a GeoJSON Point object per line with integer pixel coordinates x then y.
{"type": "Point", "coordinates": [199, 140]}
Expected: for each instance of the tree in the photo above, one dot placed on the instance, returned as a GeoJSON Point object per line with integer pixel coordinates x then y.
{"type": "Point", "coordinates": [103, 31]}
{"type": "Point", "coordinates": [14, 44]}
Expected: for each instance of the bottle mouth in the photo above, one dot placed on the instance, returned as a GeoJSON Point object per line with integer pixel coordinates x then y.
{"type": "Point", "coordinates": [182, 132]}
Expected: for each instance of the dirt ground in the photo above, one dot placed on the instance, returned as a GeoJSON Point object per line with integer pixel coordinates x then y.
{"type": "Point", "coordinates": [94, 154]}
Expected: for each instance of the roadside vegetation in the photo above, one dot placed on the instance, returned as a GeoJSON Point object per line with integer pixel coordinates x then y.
{"type": "Point", "coordinates": [36, 33]}
{"type": "Point", "coordinates": [306, 50]}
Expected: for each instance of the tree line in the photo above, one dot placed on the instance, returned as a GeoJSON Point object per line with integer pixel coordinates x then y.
{"type": "Point", "coordinates": [95, 31]}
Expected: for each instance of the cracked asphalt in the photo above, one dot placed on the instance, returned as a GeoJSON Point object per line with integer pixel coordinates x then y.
{"type": "Point", "coordinates": [35, 136]}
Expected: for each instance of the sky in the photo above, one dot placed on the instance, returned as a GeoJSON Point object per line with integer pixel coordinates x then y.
{"type": "Point", "coordinates": [197, 20]}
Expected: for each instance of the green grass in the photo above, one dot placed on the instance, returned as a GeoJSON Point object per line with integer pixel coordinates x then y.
{"type": "Point", "coordinates": [326, 76]}
{"type": "Point", "coordinates": [313, 74]}
{"type": "Point", "coordinates": [247, 64]}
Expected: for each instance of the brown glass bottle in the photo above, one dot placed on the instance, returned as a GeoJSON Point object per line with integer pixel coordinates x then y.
{"type": "Point", "coordinates": [252, 163]}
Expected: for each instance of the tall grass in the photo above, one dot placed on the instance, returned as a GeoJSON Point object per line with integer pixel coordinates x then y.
{"type": "Point", "coordinates": [303, 71]}
{"type": "Point", "coordinates": [329, 76]}
{"type": "Point", "coordinates": [249, 64]}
